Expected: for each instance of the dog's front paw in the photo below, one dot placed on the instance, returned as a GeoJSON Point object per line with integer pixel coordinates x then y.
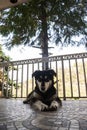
{"type": "Point", "coordinates": [54, 105]}
{"type": "Point", "coordinates": [25, 101]}
{"type": "Point", "coordinates": [44, 107]}
{"type": "Point", "coordinates": [40, 106]}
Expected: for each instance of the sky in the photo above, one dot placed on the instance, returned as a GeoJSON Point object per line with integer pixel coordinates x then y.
{"type": "Point", "coordinates": [25, 52]}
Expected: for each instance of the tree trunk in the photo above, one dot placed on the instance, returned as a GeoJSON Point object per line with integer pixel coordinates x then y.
{"type": "Point", "coordinates": [44, 37]}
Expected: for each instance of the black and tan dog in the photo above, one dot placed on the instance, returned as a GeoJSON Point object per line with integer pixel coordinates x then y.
{"type": "Point", "coordinates": [44, 96]}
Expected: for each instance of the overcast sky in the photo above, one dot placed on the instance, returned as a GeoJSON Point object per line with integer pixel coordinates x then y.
{"type": "Point", "coordinates": [22, 53]}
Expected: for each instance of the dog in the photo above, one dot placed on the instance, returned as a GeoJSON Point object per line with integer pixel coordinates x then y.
{"type": "Point", "coordinates": [44, 96]}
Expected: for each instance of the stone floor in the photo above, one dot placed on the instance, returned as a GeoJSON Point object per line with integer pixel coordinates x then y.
{"type": "Point", "coordinates": [14, 115]}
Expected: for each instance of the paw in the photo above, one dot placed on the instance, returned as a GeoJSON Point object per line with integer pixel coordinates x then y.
{"type": "Point", "coordinates": [54, 105]}
{"type": "Point", "coordinates": [25, 101]}
{"type": "Point", "coordinates": [44, 107]}
{"type": "Point", "coordinates": [40, 106]}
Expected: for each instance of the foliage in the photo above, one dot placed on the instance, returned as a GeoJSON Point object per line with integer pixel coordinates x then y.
{"type": "Point", "coordinates": [3, 57]}
{"type": "Point", "coordinates": [39, 22]}
{"type": "Point", "coordinates": [4, 79]}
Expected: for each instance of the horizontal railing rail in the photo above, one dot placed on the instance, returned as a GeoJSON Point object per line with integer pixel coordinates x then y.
{"type": "Point", "coordinates": [71, 81]}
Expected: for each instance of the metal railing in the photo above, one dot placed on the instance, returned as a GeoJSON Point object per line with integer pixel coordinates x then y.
{"type": "Point", "coordinates": [16, 76]}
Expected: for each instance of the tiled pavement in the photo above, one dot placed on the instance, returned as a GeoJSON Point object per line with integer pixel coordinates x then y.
{"type": "Point", "coordinates": [14, 115]}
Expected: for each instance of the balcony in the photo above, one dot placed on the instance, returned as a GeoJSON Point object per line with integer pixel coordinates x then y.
{"type": "Point", "coordinates": [71, 83]}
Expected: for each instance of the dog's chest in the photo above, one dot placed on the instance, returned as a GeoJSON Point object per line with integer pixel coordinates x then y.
{"type": "Point", "coordinates": [47, 97]}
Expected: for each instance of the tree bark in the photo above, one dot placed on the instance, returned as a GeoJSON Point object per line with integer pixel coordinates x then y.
{"type": "Point", "coordinates": [44, 37]}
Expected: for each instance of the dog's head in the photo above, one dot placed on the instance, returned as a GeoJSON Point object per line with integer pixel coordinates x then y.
{"type": "Point", "coordinates": [44, 79]}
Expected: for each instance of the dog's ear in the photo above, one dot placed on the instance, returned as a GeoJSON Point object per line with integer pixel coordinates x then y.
{"type": "Point", "coordinates": [52, 72]}
{"type": "Point", "coordinates": [35, 73]}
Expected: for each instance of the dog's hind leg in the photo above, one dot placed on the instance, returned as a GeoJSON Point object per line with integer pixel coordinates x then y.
{"type": "Point", "coordinates": [27, 100]}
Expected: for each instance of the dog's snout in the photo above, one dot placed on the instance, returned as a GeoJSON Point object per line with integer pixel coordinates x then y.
{"type": "Point", "coordinates": [42, 84]}
{"type": "Point", "coordinates": [42, 88]}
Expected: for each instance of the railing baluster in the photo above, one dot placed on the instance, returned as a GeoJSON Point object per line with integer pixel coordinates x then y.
{"type": "Point", "coordinates": [3, 71]}
{"type": "Point", "coordinates": [38, 66]}
{"type": "Point", "coordinates": [27, 84]}
{"type": "Point", "coordinates": [22, 82]}
{"type": "Point", "coordinates": [50, 65]}
{"type": "Point", "coordinates": [32, 79]}
{"type": "Point", "coordinates": [77, 77]}
{"type": "Point", "coordinates": [63, 80]}
{"type": "Point", "coordinates": [84, 71]}
{"type": "Point", "coordinates": [12, 81]}
{"type": "Point", "coordinates": [70, 78]}
{"type": "Point", "coordinates": [57, 78]}
{"type": "Point", "coordinates": [17, 82]}
{"type": "Point", "coordinates": [7, 82]}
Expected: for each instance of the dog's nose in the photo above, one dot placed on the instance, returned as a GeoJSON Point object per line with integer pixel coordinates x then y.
{"type": "Point", "coordinates": [42, 84]}
{"type": "Point", "coordinates": [42, 88]}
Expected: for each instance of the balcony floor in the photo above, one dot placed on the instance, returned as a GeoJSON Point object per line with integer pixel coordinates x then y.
{"type": "Point", "coordinates": [14, 115]}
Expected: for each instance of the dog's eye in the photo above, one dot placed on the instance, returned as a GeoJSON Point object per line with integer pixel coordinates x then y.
{"type": "Point", "coordinates": [39, 79]}
{"type": "Point", "coordinates": [47, 80]}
